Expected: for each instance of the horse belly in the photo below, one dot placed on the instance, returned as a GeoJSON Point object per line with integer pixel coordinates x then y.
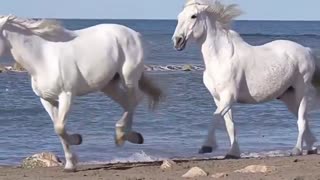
{"type": "Point", "coordinates": [265, 88]}
{"type": "Point", "coordinates": [95, 78]}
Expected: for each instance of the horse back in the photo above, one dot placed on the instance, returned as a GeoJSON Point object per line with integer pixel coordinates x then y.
{"type": "Point", "coordinates": [98, 54]}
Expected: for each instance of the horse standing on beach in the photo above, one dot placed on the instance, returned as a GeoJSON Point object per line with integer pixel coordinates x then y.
{"type": "Point", "coordinates": [64, 64]}
{"type": "Point", "coordinates": [238, 72]}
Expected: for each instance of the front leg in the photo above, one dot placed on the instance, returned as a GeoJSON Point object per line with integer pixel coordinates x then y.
{"type": "Point", "coordinates": [234, 152]}
{"type": "Point", "coordinates": [224, 110]}
{"type": "Point", "coordinates": [57, 112]}
{"type": "Point", "coordinates": [210, 143]}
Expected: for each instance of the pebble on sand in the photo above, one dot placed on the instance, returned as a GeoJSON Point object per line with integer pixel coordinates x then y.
{"type": "Point", "coordinates": [195, 172]}
{"type": "Point", "coordinates": [167, 164]}
{"type": "Point", "coordinates": [219, 175]}
{"type": "Point", "coordinates": [256, 169]}
{"type": "Point", "coordinates": [45, 159]}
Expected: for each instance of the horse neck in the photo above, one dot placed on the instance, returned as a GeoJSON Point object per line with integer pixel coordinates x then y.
{"type": "Point", "coordinates": [219, 45]}
{"type": "Point", "coordinates": [26, 50]}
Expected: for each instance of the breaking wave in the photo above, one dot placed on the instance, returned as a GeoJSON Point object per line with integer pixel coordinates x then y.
{"type": "Point", "coordinates": [175, 67]}
{"type": "Point", "coordinates": [142, 157]}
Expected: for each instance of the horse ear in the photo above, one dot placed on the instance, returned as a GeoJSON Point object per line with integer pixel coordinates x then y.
{"type": "Point", "coordinates": [202, 7]}
{"type": "Point", "coordinates": [3, 21]}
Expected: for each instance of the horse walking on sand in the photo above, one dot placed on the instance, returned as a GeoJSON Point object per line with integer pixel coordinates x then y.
{"type": "Point", "coordinates": [64, 64]}
{"type": "Point", "coordinates": [238, 72]}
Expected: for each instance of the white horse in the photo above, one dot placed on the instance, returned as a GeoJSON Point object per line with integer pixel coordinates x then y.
{"type": "Point", "coordinates": [238, 72]}
{"type": "Point", "coordinates": [64, 64]}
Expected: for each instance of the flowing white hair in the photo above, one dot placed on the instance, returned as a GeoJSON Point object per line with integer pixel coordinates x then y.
{"type": "Point", "coordinates": [224, 14]}
{"type": "Point", "coordinates": [43, 27]}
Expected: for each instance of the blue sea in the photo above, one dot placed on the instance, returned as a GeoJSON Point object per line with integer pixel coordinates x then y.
{"type": "Point", "coordinates": [177, 129]}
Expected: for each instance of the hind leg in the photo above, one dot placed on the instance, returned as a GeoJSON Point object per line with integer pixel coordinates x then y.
{"type": "Point", "coordinates": [291, 100]}
{"type": "Point", "coordinates": [124, 125]}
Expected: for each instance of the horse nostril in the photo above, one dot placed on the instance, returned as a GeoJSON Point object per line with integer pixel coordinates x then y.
{"type": "Point", "coordinates": [178, 40]}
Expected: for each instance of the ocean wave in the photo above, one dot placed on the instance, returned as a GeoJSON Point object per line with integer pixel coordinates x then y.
{"type": "Point", "coordinates": [259, 35]}
{"type": "Point", "coordinates": [263, 154]}
{"type": "Point", "coordinates": [169, 67]}
{"type": "Point", "coordinates": [142, 157]}
{"type": "Point", "coordinates": [134, 158]}
{"type": "Point", "coordinates": [175, 67]}
{"type": "Point", "coordinates": [279, 35]}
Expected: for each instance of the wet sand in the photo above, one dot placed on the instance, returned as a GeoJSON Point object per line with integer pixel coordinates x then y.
{"type": "Point", "coordinates": [301, 167]}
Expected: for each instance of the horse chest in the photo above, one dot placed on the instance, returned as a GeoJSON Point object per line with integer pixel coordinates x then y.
{"type": "Point", "coordinates": [43, 89]}
{"type": "Point", "coordinates": [217, 81]}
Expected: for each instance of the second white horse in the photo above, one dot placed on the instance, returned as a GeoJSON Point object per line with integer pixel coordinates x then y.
{"type": "Point", "coordinates": [238, 72]}
{"type": "Point", "coordinates": [64, 64]}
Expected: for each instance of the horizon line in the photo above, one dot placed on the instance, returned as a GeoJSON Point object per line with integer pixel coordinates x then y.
{"type": "Point", "coordinates": [165, 19]}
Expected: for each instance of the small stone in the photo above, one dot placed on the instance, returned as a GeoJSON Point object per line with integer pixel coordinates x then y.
{"type": "Point", "coordinates": [45, 159]}
{"type": "Point", "coordinates": [256, 169]}
{"type": "Point", "coordinates": [167, 164]}
{"type": "Point", "coordinates": [296, 160]}
{"type": "Point", "coordinates": [298, 178]}
{"type": "Point", "coordinates": [2, 69]}
{"type": "Point", "coordinates": [17, 67]}
{"type": "Point", "coordinates": [186, 67]}
{"type": "Point", "coordinates": [219, 175]}
{"type": "Point", "coordinates": [195, 172]}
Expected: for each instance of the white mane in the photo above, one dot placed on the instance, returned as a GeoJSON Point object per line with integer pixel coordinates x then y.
{"type": "Point", "coordinates": [224, 14]}
{"type": "Point", "coordinates": [47, 29]}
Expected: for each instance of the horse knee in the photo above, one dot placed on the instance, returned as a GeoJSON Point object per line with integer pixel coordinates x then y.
{"type": "Point", "coordinates": [59, 129]}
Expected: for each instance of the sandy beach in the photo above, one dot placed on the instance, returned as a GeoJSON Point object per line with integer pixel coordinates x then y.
{"type": "Point", "coordinates": [298, 168]}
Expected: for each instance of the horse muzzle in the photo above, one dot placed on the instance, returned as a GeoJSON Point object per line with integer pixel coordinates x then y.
{"type": "Point", "coordinates": [179, 43]}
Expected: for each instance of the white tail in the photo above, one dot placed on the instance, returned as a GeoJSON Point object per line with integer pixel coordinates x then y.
{"type": "Point", "coordinates": [154, 93]}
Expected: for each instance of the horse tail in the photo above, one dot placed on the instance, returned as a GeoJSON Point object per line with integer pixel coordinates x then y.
{"type": "Point", "coordinates": [316, 75]}
{"type": "Point", "coordinates": [154, 93]}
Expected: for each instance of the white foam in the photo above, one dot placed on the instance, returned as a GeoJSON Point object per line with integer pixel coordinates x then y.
{"type": "Point", "coordinates": [276, 153]}
{"type": "Point", "coordinates": [175, 67]}
{"type": "Point", "coordinates": [139, 157]}
{"type": "Point", "coordinates": [136, 157]}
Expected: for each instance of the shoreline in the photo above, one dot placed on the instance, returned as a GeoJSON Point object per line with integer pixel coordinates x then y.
{"type": "Point", "coordinates": [285, 167]}
{"type": "Point", "coordinates": [147, 67]}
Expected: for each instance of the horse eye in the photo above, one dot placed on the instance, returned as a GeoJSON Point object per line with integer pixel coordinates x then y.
{"type": "Point", "coordinates": [193, 16]}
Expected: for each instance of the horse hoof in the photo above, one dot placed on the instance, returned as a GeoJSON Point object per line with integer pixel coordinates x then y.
{"type": "Point", "coordinates": [296, 152]}
{"type": "Point", "coordinates": [76, 139]}
{"type": "Point", "coordinates": [229, 156]}
{"type": "Point", "coordinates": [205, 149]}
{"type": "Point", "coordinates": [135, 137]}
{"type": "Point", "coordinates": [313, 151]}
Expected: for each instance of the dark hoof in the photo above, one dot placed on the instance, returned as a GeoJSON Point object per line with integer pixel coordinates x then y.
{"type": "Point", "coordinates": [135, 137]}
{"type": "Point", "coordinates": [69, 170]}
{"type": "Point", "coordinates": [140, 139]}
{"type": "Point", "coordinates": [205, 149]}
{"type": "Point", "coordinates": [228, 156]}
{"type": "Point", "coordinates": [78, 139]}
{"type": "Point", "coordinates": [313, 151]}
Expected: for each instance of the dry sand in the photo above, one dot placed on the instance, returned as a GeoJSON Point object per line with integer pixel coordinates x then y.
{"type": "Point", "coordinates": [293, 168]}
